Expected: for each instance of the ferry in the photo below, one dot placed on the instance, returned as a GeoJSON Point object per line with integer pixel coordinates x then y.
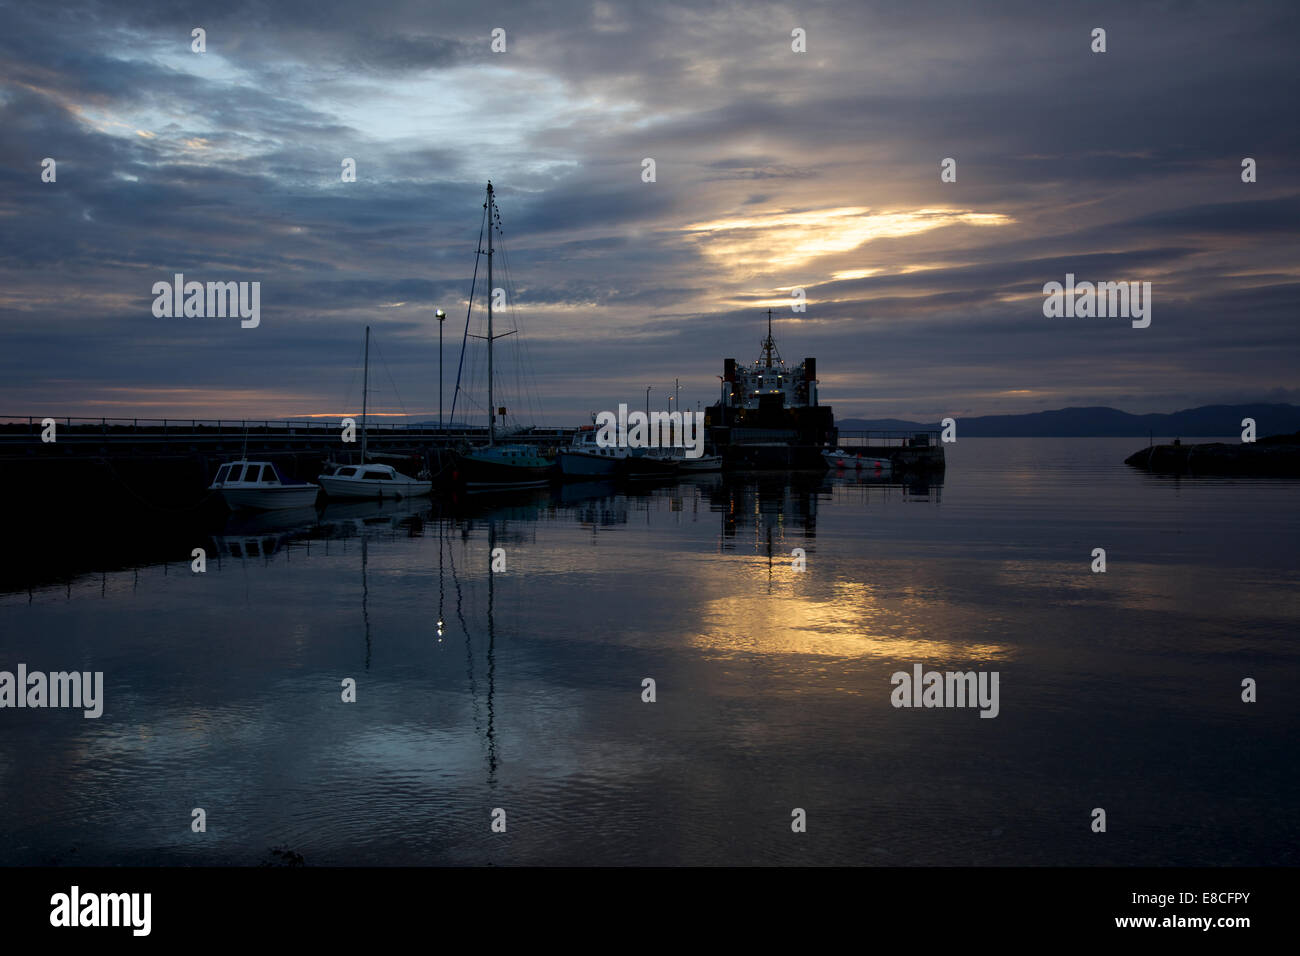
{"type": "Point", "coordinates": [768, 416]}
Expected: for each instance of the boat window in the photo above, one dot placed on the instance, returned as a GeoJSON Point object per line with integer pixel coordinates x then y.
{"type": "Point", "coordinates": [381, 475]}
{"type": "Point", "coordinates": [346, 472]}
{"type": "Point", "coordinates": [234, 472]}
{"type": "Point", "coordinates": [221, 473]}
{"type": "Point", "coordinates": [252, 472]}
{"type": "Point", "coordinates": [269, 476]}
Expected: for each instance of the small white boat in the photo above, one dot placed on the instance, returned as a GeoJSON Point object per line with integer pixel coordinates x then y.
{"type": "Point", "coordinates": [695, 465]}
{"type": "Point", "coordinates": [842, 460]}
{"type": "Point", "coordinates": [259, 486]}
{"type": "Point", "coordinates": [372, 481]}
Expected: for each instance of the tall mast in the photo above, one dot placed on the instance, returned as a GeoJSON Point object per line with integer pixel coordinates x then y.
{"type": "Point", "coordinates": [365, 385]}
{"type": "Point", "coordinates": [769, 343]}
{"type": "Point", "coordinates": [492, 412]}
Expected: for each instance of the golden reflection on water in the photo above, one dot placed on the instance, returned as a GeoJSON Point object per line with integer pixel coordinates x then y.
{"type": "Point", "coordinates": [848, 621]}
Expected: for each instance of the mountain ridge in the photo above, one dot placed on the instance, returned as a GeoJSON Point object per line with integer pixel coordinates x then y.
{"type": "Point", "coordinates": [1102, 421]}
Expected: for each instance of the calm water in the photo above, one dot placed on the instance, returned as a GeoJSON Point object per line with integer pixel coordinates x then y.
{"type": "Point", "coordinates": [1118, 690]}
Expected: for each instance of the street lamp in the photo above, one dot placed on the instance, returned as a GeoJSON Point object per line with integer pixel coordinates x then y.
{"type": "Point", "coordinates": [647, 402]}
{"type": "Point", "coordinates": [442, 317]}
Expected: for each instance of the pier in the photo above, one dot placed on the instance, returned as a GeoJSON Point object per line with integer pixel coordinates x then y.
{"type": "Point", "coordinates": [908, 450]}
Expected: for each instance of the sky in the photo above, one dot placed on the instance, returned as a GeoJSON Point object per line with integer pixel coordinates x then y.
{"type": "Point", "coordinates": [774, 170]}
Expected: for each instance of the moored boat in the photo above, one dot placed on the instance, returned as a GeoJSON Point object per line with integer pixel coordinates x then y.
{"type": "Point", "coordinates": [372, 481]}
{"type": "Point", "coordinates": [639, 463]}
{"type": "Point", "coordinates": [585, 458]}
{"type": "Point", "coordinates": [768, 416]}
{"type": "Point", "coordinates": [505, 466]}
{"type": "Point", "coordinates": [259, 486]}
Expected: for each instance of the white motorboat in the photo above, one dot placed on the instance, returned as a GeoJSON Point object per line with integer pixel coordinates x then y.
{"type": "Point", "coordinates": [372, 481]}
{"type": "Point", "coordinates": [259, 486]}
{"type": "Point", "coordinates": [842, 460]}
{"type": "Point", "coordinates": [694, 465]}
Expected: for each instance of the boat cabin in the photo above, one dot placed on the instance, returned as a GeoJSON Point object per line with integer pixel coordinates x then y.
{"type": "Point", "coordinates": [365, 472]}
{"type": "Point", "coordinates": [260, 473]}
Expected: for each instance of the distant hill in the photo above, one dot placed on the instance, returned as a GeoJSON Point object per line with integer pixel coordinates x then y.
{"type": "Point", "coordinates": [1208, 421]}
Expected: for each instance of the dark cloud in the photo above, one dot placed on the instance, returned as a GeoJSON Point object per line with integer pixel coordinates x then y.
{"type": "Point", "coordinates": [226, 166]}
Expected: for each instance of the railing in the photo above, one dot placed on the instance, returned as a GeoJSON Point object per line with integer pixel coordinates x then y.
{"type": "Point", "coordinates": [28, 427]}
{"type": "Point", "coordinates": [912, 438]}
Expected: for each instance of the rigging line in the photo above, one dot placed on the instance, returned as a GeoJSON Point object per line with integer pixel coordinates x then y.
{"type": "Point", "coordinates": [383, 361]}
{"type": "Point", "coordinates": [523, 359]}
{"type": "Point", "coordinates": [468, 312]}
{"type": "Point", "coordinates": [356, 367]}
{"type": "Point", "coordinates": [525, 372]}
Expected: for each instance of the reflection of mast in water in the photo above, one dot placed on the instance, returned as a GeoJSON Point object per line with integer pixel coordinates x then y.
{"type": "Point", "coordinates": [365, 597]}
{"type": "Point", "coordinates": [464, 627]}
{"type": "Point", "coordinates": [491, 660]}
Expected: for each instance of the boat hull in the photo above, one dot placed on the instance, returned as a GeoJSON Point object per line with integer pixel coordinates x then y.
{"type": "Point", "coordinates": [581, 465]}
{"type": "Point", "coordinates": [699, 465]}
{"type": "Point", "coordinates": [646, 467]}
{"type": "Point", "coordinates": [271, 499]}
{"type": "Point", "coordinates": [372, 488]}
{"type": "Point", "coordinates": [475, 472]}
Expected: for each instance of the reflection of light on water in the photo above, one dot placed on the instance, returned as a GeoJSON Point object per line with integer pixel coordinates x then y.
{"type": "Point", "coordinates": [850, 621]}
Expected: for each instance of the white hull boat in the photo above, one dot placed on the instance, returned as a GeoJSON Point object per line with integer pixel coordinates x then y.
{"type": "Point", "coordinates": [259, 486]}
{"type": "Point", "coordinates": [372, 481]}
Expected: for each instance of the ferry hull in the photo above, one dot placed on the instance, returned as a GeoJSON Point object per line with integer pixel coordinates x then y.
{"type": "Point", "coordinates": [773, 458]}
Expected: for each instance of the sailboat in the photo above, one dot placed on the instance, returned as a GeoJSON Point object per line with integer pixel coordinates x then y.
{"type": "Point", "coordinates": [370, 480]}
{"type": "Point", "coordinates": [493, 465]}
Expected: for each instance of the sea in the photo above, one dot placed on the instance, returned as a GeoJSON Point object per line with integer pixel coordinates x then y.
{"type": "Point", "coordinates": [704, 672]}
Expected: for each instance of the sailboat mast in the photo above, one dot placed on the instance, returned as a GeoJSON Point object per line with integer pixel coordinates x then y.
{"type": "Point", "coordinates": [492, 411]}
{"type": "Point", "coordinates": [365, 388]}
{"type": "Point", "coordinates": [768, 343]}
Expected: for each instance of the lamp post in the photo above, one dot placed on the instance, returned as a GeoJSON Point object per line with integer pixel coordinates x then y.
{"type": "Point", "coordinates": [442, 317]}
{"type": "Point", "coordinates": [647, 403]}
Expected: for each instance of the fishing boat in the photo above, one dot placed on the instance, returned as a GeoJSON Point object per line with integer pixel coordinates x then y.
{"type": "Point", "coordinates": [585, 458]}
{"type": "Point", "coordinates": [493, 465]}
{"type": "Point", "coordinates": [259, 486]}
{"type": "Point", "coordinates": [369, 480]}
{"type": "Point", "coordinates": [842, 460]}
